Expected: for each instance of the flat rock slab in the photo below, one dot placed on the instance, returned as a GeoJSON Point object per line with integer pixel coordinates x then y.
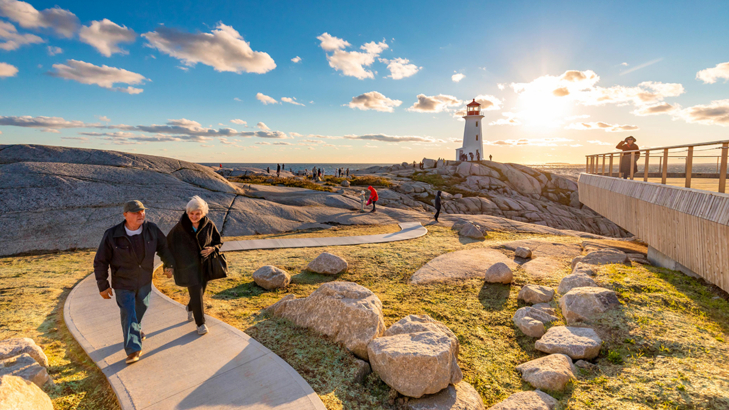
{"type": "Point", "coordinates": [459, 265]}
{"type": "Point", "coordinates": [19, 345]}
{"type": "Point", "coordinates": [551, 372]}
{"type": "Point", "coordinates": [545, 248]}
{"type": "Point", "coordinates": [461, 396]}
{"type": "Point", "coordinates": [223, 370]}
{"type": "Point", "coordinates": [584, 304]}
{"type": "Point", "coordinates": [575, 342]}
{"type": "Point", "coordinates": [26, 367]}
{"type": "Point", "coordinates": [527, 400]}
{"type": "Point", "coordinates": [544, 267]}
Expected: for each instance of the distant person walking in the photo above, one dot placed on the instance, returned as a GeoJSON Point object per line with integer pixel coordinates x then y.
{"type": "Point", "coordinates": [347, 172]}
{"type": "Point", "coordinates": [478, 156]}
{"type": "Point", "coordinates": [437, 205]}
{"type": "Point", "coordinates": [192, 240]}
{"type": "Point", "coordinates": [490, 157]}
{"type": "Point", "coordinates": [128, 249]}
{"type": "Point", "coordinates": [470, 154]}
{"type": "Point", "coordinates": [278, 170]}
{"type": "Point", "coordinates": [268, 170]}
{"type": "Point", "coordinates": [628, 144]}
{"type": "Point", "coordinates": [373, 198]}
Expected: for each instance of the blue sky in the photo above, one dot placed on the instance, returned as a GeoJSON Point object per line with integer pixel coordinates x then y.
{"type": "Point", "coordinates": [558, 79]}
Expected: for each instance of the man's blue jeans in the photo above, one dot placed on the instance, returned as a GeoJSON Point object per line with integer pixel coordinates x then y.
{"type": "Point", "coordinates": [133, 304]}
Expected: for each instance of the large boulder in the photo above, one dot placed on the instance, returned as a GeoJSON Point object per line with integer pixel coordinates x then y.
{"type": "Point", "coordinates": [16, 346]}
{"type": "Point", "coordinates": [461, 396]}
{"type": "Point", "coordinates": [470, 230]}
{"type": "Point", "coordinates": [584, 269]}
{"type": "Point", "coordinates": [19, 394]}
{"type": "Point", "coordinates": [573, 281]}
{"type": "Point", "coordinates": [551, 372]}
{"type": "Point", "coordinates": [428, 163]}
{"type": "Point", "coordinates": [584, 304]}
{"type": "Point", "coordinates": [459, 265]}
{"type": "Point", "coordinates": [26, 367]}
{"type": "Point", "coordinates": [270, 277]}
{"type": "Point", "coordinates": [415, 364]}
{"type": "Point", "coordinates": [542, 248]}
{"type": "Point", "coordinates": [603, 257]}
{"type": "Point", "coordinates": [531, 321]}
{"type": "Point", "coordinates": [527, 400]}
{"type": "Point", "coordinates": [575, 342]}
{"type": "Point", "coordinates": [535, 294]}
{"type": "Point", "coordinates": [523, 252]}
{"type": "Point", "coordinates": [420, 323]}
{"type": "Point", "coordinates": [328, 264]}
{"type": "Point", "coordinates": [499, 273]}
{"type": "Point", "coordinates": [349, 313]}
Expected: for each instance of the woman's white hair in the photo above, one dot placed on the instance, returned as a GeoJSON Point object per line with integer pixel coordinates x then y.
{"type": "Point", "coordinates": [197, 204]}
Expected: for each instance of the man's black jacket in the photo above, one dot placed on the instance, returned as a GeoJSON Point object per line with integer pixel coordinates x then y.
{"type": "Point", "coordinates": [116, 251]}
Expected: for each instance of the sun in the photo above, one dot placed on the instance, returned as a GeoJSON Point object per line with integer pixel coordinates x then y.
{"type": "Point", "coordinates": [540, 109]}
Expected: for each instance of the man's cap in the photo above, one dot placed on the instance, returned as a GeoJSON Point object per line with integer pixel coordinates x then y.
{"type": "Point", "coordinates": [134, 206]}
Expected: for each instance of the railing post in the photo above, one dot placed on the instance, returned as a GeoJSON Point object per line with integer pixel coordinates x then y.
{"type": "Point", "coordinates": [632, 164]}
{"type": "Point", "coordinates": [603, 165]}
{"type": "Point", "coordinates": [645, 171]}
{"type": "Point", "coordinates": [664, 171]}
{"type": "Point", "coordinates": [611, 165]}
{"type": "Point", "coordinates": [689, 166]}
{"type": "Point", "coordinates": [722, 168]}
{"type": "Point", "coordinates": [587, 164]}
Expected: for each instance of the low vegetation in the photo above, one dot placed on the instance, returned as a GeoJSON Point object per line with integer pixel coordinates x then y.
{"type": "Point", "coordinates": [272, 180]}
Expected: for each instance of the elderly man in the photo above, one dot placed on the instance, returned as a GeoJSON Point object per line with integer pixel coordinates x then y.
{"type": "Point", "coordinates": [129, 248]}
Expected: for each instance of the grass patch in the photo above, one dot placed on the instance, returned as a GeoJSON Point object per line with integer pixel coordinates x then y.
{"type": "Point", "coordinates": [443, 183]}
{"type": "Point", "coordinates": [363, 180]}
{"type": "Point", "coordinates": [336, 230]}
{"type": "Point", "coordinates": [32, 292]}
{"type": "Point", "coordinates": [273, 180]}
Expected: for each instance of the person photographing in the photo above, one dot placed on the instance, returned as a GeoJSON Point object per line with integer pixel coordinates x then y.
{"type": "Point", "coordinates": [628, 144]}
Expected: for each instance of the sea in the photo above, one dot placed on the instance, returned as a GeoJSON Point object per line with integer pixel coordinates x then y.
{"type": "Point", "coordinates": [569, 170]}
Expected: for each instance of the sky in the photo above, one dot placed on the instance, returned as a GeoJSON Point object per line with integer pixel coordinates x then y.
{"type": "Point", "coordinates": [362, 82]}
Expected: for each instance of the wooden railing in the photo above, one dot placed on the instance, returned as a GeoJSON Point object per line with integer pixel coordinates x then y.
{"type": "Point", "coordinates": [593, 165]}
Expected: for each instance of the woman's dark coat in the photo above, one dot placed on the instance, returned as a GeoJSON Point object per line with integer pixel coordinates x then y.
{"type": "Point", "coordinates": [625, 160]}
{"type": "Point", "coordinates": [186, 244]}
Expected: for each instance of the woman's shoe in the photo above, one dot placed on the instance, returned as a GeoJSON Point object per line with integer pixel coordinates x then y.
{"type": "Point", "coordinates": [190, 315]}
{"type": "Point", "coordinates": [202, 329]}
{"type": "Point", "coordinates": [134, 357]}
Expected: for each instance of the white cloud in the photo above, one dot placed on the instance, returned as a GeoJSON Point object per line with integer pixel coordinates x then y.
{"type": "Point", "coordinates": [511, 119]}
{"type": "Point", "coordinates": [295, 134]}
{"type": "Point", "coordinates": [14, 40]}
{"type": "Point", "coordinates": [391, 138]}
{"type": "Point", "coordinates": [457, 77]}
{"type": "Point", "coordinates": [488, 102]}
{"type": "Point", "coordinates": [52, 51]}
{"type": "Point", "coordinates": [239, 122]}
{"type": "Point", "coordinates": [661, 108]}
{"type": "Point", "coordinates": [599, 125]}
{"type": "Point", "coordinates": [237, 99]}
{"type": "Point", "coordinates": [82, 139]}
{"type": "Point", "coordinates": [291, 101]}
{"type": "Point", "coordinates": [577, 117]}
{"type": "Point", "coordinates": [436, 103]}
{"type": "Point", "coordinates": [644, 65]}
{"type": "Point", "coordinates": [296, 59]}
{"type": "Point", "coordinates": [598, 142]}
{"type": "Point", "coordinates": [7, 70]}
{"type": "Point", "coordinates": [62, 21]}
{"type": "Point", "coordinates": [710, 75]}
{"type": "Point", "coordinates": [262, 126]}
{"type": "Point", "coordinates": [106, 35]}
{"type": "Point", "coordinates": [223, 49]}
{"type": "Point", "coordinates": [374, 101]}
{"type": "Point", "coordinates": [400, 68]}
{"type": "Point", "coordinates": [624, 64]}
{"type": "Point", "coordinates": [51, 130]}
{"type": "Point", "coordinates": [351, 63]}
{"type": "Point", "coordinates": [575, 145]}
{"type": "Point", "coordinates": [40, 122]}
{"type": "Point", "coordinates": [103, 118]}
{"type": "Point", "coordinates": [103, 76]}
{"type": "Point", "coordinates": [536, 142]}
{"type": "Point", "coordinates": [265, 99]}
{"type": "Point", "coordinates": [717, 113]}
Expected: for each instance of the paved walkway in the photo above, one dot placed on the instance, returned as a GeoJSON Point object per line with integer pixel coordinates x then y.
{"type": "Point", "coordinates": [409, 230]}
{"type": "Point", "coordinates": [225, 369]}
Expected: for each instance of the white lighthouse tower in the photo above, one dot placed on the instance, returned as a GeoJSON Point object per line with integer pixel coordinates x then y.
{"type": "Point", "coordinates": [472, 147]}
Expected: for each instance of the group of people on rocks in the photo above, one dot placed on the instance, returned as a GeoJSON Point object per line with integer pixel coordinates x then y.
{"type": "Point", "coordinates": [477, 157]}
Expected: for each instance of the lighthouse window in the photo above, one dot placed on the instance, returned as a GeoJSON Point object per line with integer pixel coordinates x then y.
{"type": "Point", "coordinates": [476, 137]}
{"type": "Point", "coordinates": [477, 123]}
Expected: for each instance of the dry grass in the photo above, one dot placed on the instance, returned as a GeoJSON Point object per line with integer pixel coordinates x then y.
{"type": "Point", "coordinates": [32, 292]}
{"type": "Point", "coordinates": [337, 230]}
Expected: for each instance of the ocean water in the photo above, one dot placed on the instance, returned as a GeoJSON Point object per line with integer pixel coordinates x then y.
{"type": "Point", "coordinates": [328, 169]}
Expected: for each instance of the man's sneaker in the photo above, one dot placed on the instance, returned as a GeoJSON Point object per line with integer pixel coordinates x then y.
{"type": "Point", "coordinates": [190, 315]}
{"type": "Point", "coordinates": [202, 329]}
{"type": "Point", "coordinates": [134, 357]}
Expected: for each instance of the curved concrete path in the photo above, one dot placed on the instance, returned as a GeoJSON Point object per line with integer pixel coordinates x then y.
{"type": "Point", "coordinates": [409, 230]}
{"type": "Point", "coordinates": [225, 369]}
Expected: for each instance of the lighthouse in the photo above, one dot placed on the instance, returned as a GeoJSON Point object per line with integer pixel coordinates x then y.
{"type": "Point", "coordinates": [472, 149]}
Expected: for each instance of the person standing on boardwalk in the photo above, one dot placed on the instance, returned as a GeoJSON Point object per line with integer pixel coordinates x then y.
{"type": "Point", "coordinates": [192, 240]}
{"type": "Point", "coordinates": [628, 144]}
{"type": "Point", "coordinates": [437, 205]}
{"type": "Point", "coordinates": [128, 249]}
{"type": "Point", "coordinates": [373, 198]}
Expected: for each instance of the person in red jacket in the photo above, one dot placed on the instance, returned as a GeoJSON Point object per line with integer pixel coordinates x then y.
{"type": "Point", "coordinates": [373, 199]}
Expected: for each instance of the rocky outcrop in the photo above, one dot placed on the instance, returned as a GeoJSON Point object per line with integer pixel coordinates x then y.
{"type": "Point", "coordinates": [545, 267]}
{"type": "Point", "coordinates": [459, 265]}
{"type": "Point", "coordinates": [527, 400]}
{"type": "Point", "coordinates": [573, 281]}
{"type": "Point", "coordinates": [349, 313]}
{"type": "Point", "coordinates": [17, 346]}
{"type": "Point", "coordinates": [531, 321]}
{"type": "Point", "coordinates": [328, 264]}
{"type": "Point", "coordinates": [461, 396]}
{"type": "Point", "coordinates": [523, 252]}
{"type": "Point", "coordinates": [542, 248]}
{"type": "Point", "coordinates": [536, 294]}
{"type": "Point", "coordinates": [270, 277]}
{"type": "Point", "coordinates": [602, 257]}
{"type": "Point", "coordinates": [19, 394]}
{"type": "Point", "coordinates": [470, 230]}
{"type": "Point", "coordinates": [584, 304]}
{"type": "Point", "coordinates": [421, 323]}
{"type": "Point", "coordinates": [551, 372]}
{"type": "Point", "coordinates": [575, 342]}
{"type": "Point", "coordinates": [416, 364]}
{"type": "Point", "coordinates": [25, 367]}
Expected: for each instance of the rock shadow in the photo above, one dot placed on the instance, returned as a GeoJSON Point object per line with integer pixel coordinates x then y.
{"type": "Point", "coordinates": [307, 277]}
{"type": "Point", "coordinates": [494, 296]}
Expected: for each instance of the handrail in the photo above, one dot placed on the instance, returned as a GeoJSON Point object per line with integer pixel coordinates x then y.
{"type": "Point", "coordinates": [592, 165]}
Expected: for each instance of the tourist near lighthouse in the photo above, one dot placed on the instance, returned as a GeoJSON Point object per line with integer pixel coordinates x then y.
{"type": "Point", "coordinates": [550, 181]}
{"type": "Point", "coordinates": [472, 148]}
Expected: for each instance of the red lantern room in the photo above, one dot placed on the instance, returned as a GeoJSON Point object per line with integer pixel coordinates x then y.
{"type": "Point", "coordinates": [473, 108]}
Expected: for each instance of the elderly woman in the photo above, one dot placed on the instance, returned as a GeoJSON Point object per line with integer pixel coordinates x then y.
{"type": "Point", "coordinates": [192, 240]}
